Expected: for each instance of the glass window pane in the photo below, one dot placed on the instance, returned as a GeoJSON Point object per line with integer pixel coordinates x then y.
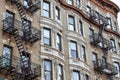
{"type": "Point", "coordinates": [46, 6]}
{"type": "Point", "coordinates": [74, 54]}
{"type": "Point", "coordinates": [48, 70]}
{"type": "Point", "coordinates": [116, 64]}
{"type": "Point", "coordinates": [69, 2]}
{"type": "Point", "coordinates": [47, 41]}
{"type": "Point", "coordinates": [71, 27]}
{"type": "Point", "coordinates": [73, 45]}
{"type": "Point", "coordinates": [47, 65]}
{"type": "Point", "coordinates": [71, 20]}
{"type": "Point", "coordinates": [46, 13]}
{"type": "Point", "coordinates": [46, 33]}
{"type": "Point", "coordinates": [75, 75]}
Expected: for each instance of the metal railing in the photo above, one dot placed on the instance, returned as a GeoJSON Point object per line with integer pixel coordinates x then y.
{"type": "Point", "coordinates": [104, 67]}
{"type": "Point", "coordinates": [9, 26]}
{"type": "Point", "coordinates": [6, 63]}
{"type": "Point", "coordinates": [94, 39]}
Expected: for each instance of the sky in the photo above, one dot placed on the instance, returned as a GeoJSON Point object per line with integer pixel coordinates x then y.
{"type": "Point", "coordinates": [118, 3]}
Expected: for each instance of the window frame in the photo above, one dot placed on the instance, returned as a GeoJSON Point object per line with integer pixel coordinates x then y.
{"type": "Point", "coordinates": [62, 74]}
{"type": "Point", "coordinates": [57, 10]}
{"type": "Point", "coordinates": [112, 42]}
{"type": "Point", "coordinates": [79, 3]}
{"type": "Point", "coordinates": [88, 8]}
{"type": "Point", "coordinates": [78, 72]}
{"type": "Point", "coordinates": [10, 58]}
{"type": "Point", "coordinates": [59, 45]}
{"type": "Point", "coordinates": [109, 24]}
{"type": "Point", "coordinates": [44, 10]}
{"type": "Point", "coordinates": [81, 28]}
{"type": "Point", "coordinates": [71, 50]}
{"type": "Point", "coordinates": [71, 24]}
{"type": "Point", "coordinates": [46, 37]}
{"type": "Point", "coordinates": [51, 72]}
{"type": "Point", "coordinates": [83, 51]}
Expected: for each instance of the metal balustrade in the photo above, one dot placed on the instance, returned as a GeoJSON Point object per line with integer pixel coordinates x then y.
{"type": "Point", "coordinates": [104, 67]}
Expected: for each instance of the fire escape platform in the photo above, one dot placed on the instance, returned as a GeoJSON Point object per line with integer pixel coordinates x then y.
{"type": "Point", "coordinates": [106, 68]}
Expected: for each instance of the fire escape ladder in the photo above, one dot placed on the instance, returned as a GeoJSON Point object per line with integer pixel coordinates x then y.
{"type": "Point", "coordinates": [21, 47]}
{"type": "Point", "coordinates": [21, 10]}
{"type": "Point", "coordinates": [22, 50]}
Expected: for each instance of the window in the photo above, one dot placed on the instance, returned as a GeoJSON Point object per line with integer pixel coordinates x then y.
{"type": "Point", "coordinates": [91, 35]}
{"type": "Point", "coordinates": [48, 69]}
{"type": "Point", "coordinates": [94, 56]}
{"type": "Point", "coordinates": [70, 2]}
{"type": "Point", "coordinates": [104, 61]}
{"type": "Point", "coordinates": [26, 27]}
{"type": "Point", "coordinates": [47, 36]}
{"type": "Point", "coordinates": [26, 58]}
{"type": "Point", "coordinates": [59, 47]}
{"type": "Point", "coordinates": [73, 47]}
{"type": "Point", "coordinates": [118, 45]}
{"type": "Point", "coordinates": [26, 62]}
{"type": "Point", "coordinates": [86, 77]}
{"type": "Point", "coordinates": [9, 19]}
{"type": "Point", "coordinates": [7, 54]}
{"type": "Point", "coordinates": [46, 9]}
{"type": "Point", "coordinates": [83, 53]}
{"type": "Point", "coordinates": [71, 21]}
{"type": "Point", "coordinates": [81, 28]}
{"type": "Point", "coordinates": [113, 44]}
{"type": "Point", "coordinates": [115, 26]}
{"type": "Point", "coordinates": [75, 75]}
{"type": "Point", "coordinates": [60, 72]}
{"type": "Point", "coordinates": [109, 26]}
{"type": "Point", "coordinates": [78, 3]}
{"type": "Point", "coordinates": [88, 11]}
{"type": "Point", "coordinates": [116, 65]}
{"type": "Point", "coordinates": [97, 16]}
{"type": "Point", "coordinates": [57, 13]}
{"type": "Point", "coordinates": [95, 59]}
{"type": "Point", "coordinates": [25, 3]}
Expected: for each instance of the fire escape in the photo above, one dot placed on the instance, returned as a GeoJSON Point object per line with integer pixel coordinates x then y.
{"type": "Point", "coordinates": [96, 39]}
{"type": "Point", "coordinates": [21, 68]}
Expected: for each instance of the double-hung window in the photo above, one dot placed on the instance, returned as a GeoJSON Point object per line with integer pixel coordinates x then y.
{"type": "Point", "coordinates": [73, 47]}
{"type": "Point", "coordinates": [47, 70]}
{"type": "Point", "coordinates": [109, 26]}
{"type": "Point", "coordinates": [59, 47]}
{"type": "Point", "coordinates": [83, 53]}
{"type": "Point", "coordinates": [88, 11]}
{"type": "Point", "coordinates": [9, 20]}
{"type": "Point", "coordinates": [117, 66]}
{"type": "Point", "coordinates": [113, 44]}
{"type": "Point", "coordinates": [47, 36]}
{"type": "Point", "coordinates": [7, 54]}
{"type": "Point", "coordinates": [81, 28]}
{"type": "Point", "coordinates": [57, 13]}
{"type": "Point", "coordinates": [60, 72]}
{"type": "Point", "coordinates": [46, 9]}
{"type": "Point", "coordinates": [71, 23]}
{"type": "Point", "coordinates": [75, 75]}
{"type": "Point", "coordinates": [78, 3]}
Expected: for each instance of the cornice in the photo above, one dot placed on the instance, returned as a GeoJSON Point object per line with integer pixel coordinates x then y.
{"type": "Point", "coordinates": [81, 13]}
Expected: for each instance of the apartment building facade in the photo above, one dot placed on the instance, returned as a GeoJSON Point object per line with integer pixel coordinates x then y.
{"type": "Point", "coordinates": [59, 40]}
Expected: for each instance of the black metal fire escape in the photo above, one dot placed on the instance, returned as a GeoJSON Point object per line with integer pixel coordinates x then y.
{"type": "Point", "coordinates": [25, 74]}
{"type": "Point", "coordinates": [98, 37]}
